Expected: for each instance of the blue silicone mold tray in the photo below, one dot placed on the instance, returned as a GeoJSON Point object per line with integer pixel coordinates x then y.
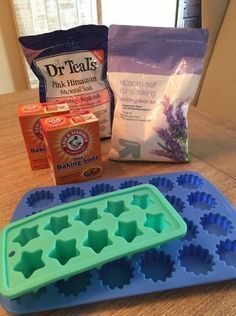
{"type": "Point", "coordinates": [206, 254]}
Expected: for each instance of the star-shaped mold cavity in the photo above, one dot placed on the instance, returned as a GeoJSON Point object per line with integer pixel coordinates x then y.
{"type": "Point", "coordinates": [97, 240]}
{"type": "Point", "coordinates": [142, 201]}
{"type": "Point", "coordinates": [29, 263]}
{"type": "Point", "coordinates": [87, 215]}
{"type": "Point", "coordinates": [27, 234]}
{"type": "Point", "coordinates": [57, 224]}
{"type": "Point", "coordinates": [128, 230]}
{"type": "Point", "coordinates": [64, 251]}
{"type": "Point", "coordinates": [116, 208]}
{"type": "Point", "coordinates": [156, 221]}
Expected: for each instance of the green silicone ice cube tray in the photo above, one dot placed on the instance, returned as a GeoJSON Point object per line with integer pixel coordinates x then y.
{"type": "Point", "coordinates": [74, 237]}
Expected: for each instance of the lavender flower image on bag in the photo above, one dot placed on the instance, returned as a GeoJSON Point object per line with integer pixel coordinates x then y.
{"type": "Point", "coordinates": [174, 138]}
{"type": "Point", "coordinates": [154, 74]}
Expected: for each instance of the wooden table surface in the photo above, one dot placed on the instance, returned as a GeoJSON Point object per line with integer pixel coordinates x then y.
{"type": "Point", "coordinates": [213, 153]}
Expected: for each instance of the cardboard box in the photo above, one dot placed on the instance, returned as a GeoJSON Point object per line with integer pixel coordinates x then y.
{"type": "Point", "coordinates": [29, 117]}
{"type": "Point", "coordinates": [73, 147]}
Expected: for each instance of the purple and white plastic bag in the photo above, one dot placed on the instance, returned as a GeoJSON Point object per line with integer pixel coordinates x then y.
{"type": "Point", "coordinates": [154, 74]}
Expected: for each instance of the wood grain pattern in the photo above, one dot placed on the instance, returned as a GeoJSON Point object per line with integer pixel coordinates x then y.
{"type": "Point", "coordinates": [213, 152]}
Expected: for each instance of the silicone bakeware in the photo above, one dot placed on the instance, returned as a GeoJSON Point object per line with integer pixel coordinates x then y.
{"type": "Point", "coordinates": [74, 237]}
{"type": "Point", "coordinates": [206, 254]}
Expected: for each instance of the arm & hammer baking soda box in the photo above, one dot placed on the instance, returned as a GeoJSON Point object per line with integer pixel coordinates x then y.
{"type": "Point", "coordinates": [73, 146]}
{"type": "Point", "coordinates": [29, 117]}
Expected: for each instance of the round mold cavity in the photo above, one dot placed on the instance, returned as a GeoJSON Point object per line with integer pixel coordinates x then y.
{"type": "Point", "coordinates": [189, 181]}
{"type": "Point", "coordinates": [40, 199]}
{"type": "Point", "coordinates": [176, 202]}
{"type": "Point", "coordinates": [201, 200]}
{"type": "Point", "coordinates": [227, 252]}
{"type": "Point", "coordinates": [216, 224]}
{"type": "Point", "coordinates": [116, 274]}
{"type": "Point", "coordinates": [74, 285]}
{"type": "Point", "coordinates": [129, 184]}
{"type": "Point", "coordinates": [191, 230]}
{"type": "Point", "coordinates": [163, 184]}
{"type": "Point", "coordinates": [196, 259]}
{"type": "Point", "coordinates": [156, 265]}
{"type": "Point", "coordinates": [101, 189]}
{"type": "Point", "coordinates": [71, 194]}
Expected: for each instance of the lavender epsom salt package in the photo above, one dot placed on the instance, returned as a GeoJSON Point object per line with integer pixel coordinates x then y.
{"type": "Point", "coordinates": [154, 73]}
{"type": "Point", "coordinates": [71, 66]}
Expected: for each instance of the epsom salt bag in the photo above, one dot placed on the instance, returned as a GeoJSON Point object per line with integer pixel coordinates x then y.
{"type": "Point", "coordinates": [154, 74]}
{"type": "Point", "coordinates": [71, 65]}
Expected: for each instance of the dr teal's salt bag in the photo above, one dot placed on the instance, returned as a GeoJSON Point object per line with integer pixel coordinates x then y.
{"type": "Point", "coordinates": [154, 74]}
{"type": "Point", "coordinates": [71, 65]}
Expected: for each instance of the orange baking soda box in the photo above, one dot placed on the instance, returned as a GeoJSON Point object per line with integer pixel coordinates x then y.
{"type": "Point", "coordinates": [73, 147]}
{"type": "Point", "coordinates": [29, 117]}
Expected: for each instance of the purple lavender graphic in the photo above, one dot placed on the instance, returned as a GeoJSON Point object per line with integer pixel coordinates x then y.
{"type": "Point", "coordinates": [174, 137]}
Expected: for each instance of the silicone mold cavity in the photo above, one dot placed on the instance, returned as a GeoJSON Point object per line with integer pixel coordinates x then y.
{"type": "Point", "coordinates": [74, 285]}
{"type": "Point", "coordinates": [57, 224]}
{"type": "Point", "coordinates": [196, 259]}
{"type": "Point", "coordinates": [116, 208]}
{"type": "Point", "coordinates": [163, 184]}
{"type": "Point", "coordinates": [64, 251]}
{"type": "Point", "coordinates": [29, 263]}
{"type": "Point", "coordinates": [97, 240]}
{"type": "Point", "coordinates": [192, 230]}
{"type": "Point", "coordinates": [156, 265]}
{"type": "Point", "coordinates": [116, 274]}
{"type": "Point", "coordinates": [128, 230]}
{"type": "Point", "coordinates": [216, 224]}
{"type": "Point", "coordinates": [227, 252]}
{"type": "Point", "coordinates": [155, 221]}
{"type": "Point", "coordinates": [129, 184]}
{"type": "Point", "coordinates": [71, 194]}
{"type": "Point", "coordinates": [142, 201]}
{"type": "Point", "coordinates": [189, 181]}
{"type": "Point", "coordinates": [27, 234]}
{"type": "Point", "coordinates": [101, 189]}
{"type": "Point", "coordinates": [87, 215]}
{"type": "Point", "coordinates": [201, 200]}
{"type": "Point", "coordinates": [176, 202]}
{"type": "Point", "coordinates": [40, 199]}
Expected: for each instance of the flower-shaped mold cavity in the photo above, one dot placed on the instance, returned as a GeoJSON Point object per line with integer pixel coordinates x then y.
{"type": "Point", "coordinates": [196, 259]}
{"type": "Point", "coordinates": [163, 184]}
{"type": "Point", "coordinates": [74, 285]}
{"type": "Point", "coordinates": [97, 240]}
{"type": "Point", "coordinates": [101, 189]}
{"type": "Point", "coordinates": [129, 184]}
{"type": "Point", "coordinates": [87, 215]}
{"type": "Point", "coordinates": [57, 224]}
{"type": "Point", "coordinates": [116, 208]}
{"type": "Point", "coordinates": [64, 251]}
{"type": "Point", "coordinates": [29, 263]}
{"type": "Point", "coordinates": [27, 234]}
{"type": "Point", "coordinates": [176, 202]}
{"type": "Point", "coordinates": [142, 201]}
{"type": "Point", "coordinates": [216, 224]}
{"type": "Point", "coordinates": [117, 273]}
{"type": "Point", "coordinates": [201, 200]}
{"type": "Point", "coordinates": [128, 230]}
{"type": "Point", "coordinates": [71, 194]}
{"type": "Point", "coordinates": [189, 181]}
{"type": "Point", "coordinates": [40, 199]}
{"type": "Point", "coordinates": [191, 230]}
{"type": "Point", "coordinates": [156, 265]}
{"type": "Point", "coordinates": [155, 221]}
{"type": "Point", "coordinates": [227, 252]}
{"type": "Point", "coordinates": [29, 297]}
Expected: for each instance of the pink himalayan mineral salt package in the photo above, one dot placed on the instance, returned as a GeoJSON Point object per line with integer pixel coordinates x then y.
{"type": "Point", "coordinates": [154, 74]}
